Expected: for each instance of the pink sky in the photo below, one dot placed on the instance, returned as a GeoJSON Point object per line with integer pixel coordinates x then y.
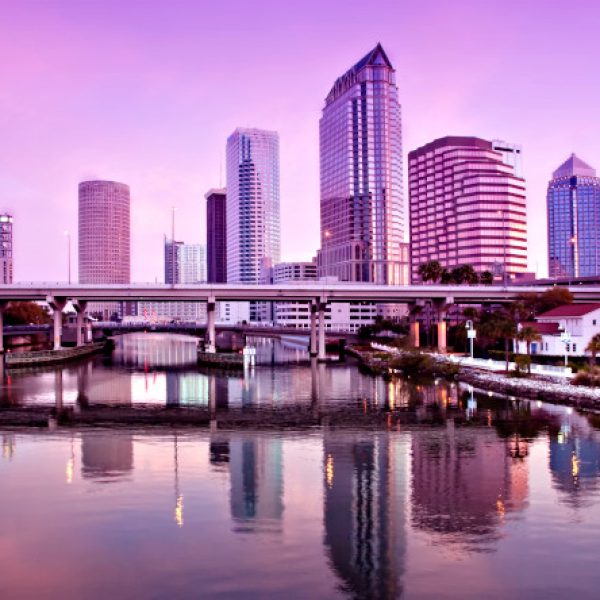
{"type": "Point", "coordinates": [147, 92]}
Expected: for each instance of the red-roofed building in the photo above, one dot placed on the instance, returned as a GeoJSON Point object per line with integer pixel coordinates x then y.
{"type": "Point", "coordinates": [565, 329]}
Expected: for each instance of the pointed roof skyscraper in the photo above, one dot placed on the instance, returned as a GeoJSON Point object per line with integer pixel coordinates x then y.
{"type": "Point", "coordinates": [574, 166]}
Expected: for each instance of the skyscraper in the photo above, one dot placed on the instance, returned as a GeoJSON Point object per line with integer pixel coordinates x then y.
{"type": "Point", "coordinates": [216, 236]}
{"type": "Point", "coordinates": [104, 232]}
{"type": "Point", "coordinates": [6, 248]}
{"type": "Point", "coordinates": [574, 220]}
{"type": "Point", "coordinates": [104, 238]}
{"type": "Point", "coordinates": [184, 263]}
{"type": "Point", "coordinates": [467, 205]}
{"type": "Point", "coordinates": [362, 212]}
{"type": "Point", "coordinates": [253, 221]}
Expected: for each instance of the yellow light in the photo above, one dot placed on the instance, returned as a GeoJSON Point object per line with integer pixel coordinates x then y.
{"type": "Point", "coordinates": [329, 471]}
{"type": "Point", "coordinates": [70, 470]}
{"type": "Point", "coordinates": [574, 465]}
{"type": "Point", "coordinates": [500, 508]}
{"type": "Point", "coordinates": [179, 511]}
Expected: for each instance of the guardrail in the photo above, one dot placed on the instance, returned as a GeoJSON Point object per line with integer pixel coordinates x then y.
{"type": "Point", "coordinates": [487, 364]}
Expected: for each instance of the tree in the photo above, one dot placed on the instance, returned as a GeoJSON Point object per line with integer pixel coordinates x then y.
{"type": "Point", "coordinates": [552, 298]}
{"type": "Point", "coordinates": [430, 271]}
{"type": "Point", "coordinates": [486, 278]}
{"type": "Point", "coordinates": [529, 334]}
{"type": "Point", "coordinates": [499, 325]}
{"type": "Point", "coordinates": [594, 348]}
{"type": "Point", "coordinates": [469, 275]}
{"type": "Point", "coordinates": [25, 313]}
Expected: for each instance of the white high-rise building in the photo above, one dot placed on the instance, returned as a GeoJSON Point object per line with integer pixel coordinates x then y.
{"type": "Point", "coordinates": [253, 217]}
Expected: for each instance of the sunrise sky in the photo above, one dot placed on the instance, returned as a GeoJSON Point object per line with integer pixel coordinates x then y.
{"type": "Point", "coordinates": [146, 92]}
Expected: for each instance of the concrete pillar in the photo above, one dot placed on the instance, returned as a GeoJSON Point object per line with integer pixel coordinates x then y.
{"type": "Point", "coordinates": [211, 337]}
{"type": "Point", "coordinates": [313, 329]}
{"type": "Point", "coordinates": [415, 334]}
{"type": "Point", "coordinates": [57, 304]}
{"type": "Point", "coordinates": [321, 353]}
{"type": "Point", "coordinates": [80, 307]}
{"type": "Point", "coordinates": [442, 309]}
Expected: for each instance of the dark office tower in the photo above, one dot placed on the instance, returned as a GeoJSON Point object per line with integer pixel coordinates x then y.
{"type": "Point", "coordinates": [216, 235]}
{"type": "Point", "coordinates": [574, 220]}
{"type": "Point", "coordinates": [362, 213]}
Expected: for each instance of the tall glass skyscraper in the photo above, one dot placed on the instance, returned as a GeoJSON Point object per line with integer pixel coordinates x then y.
{"type": "Point", "coordinates": [362, 212]}
{"type": "Point", "coordinates": [574, 220]}
{"type": "Point", "coordinates": [216, 236]}
{"type": "Point", "coordinates": [253, 214]}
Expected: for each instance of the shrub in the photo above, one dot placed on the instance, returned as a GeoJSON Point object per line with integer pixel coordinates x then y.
{"type": "Point", "coordinates": [413, 363]}
{"type": "Point", "coordinates": [522, 364]}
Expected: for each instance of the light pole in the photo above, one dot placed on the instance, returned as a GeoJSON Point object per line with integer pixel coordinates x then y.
{"type": "Point", "coordinates": [68, 235]}
{"type": "Point", "coordinates": [565, 338]}
{"type": "Point", "coordinates": [471, 334]}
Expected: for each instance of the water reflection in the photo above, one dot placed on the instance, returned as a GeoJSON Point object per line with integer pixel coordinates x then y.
{"type": "Point", "coordinates": [106, 457]}
{"type": "Point", "coordinates": [365, 481]}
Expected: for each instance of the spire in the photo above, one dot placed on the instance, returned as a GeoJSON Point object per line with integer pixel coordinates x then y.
{"type": "Point", "coordinates": [574, 166]}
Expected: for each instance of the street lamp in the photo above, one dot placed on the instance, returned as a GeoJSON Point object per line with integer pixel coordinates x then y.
{"type": "Point", "coordinates": [68, 235]}
{"type": "Point", "coordinates": [471, 334]}
{"type": "Point", "coordinates": [565, 338]}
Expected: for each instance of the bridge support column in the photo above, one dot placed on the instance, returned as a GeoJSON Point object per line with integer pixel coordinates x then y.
{"type": "Point", "coordinates": [57, 304]}
{"type": "Point", "coordinates": [80, 307]}
{"type": "Point", "coordinates": [3, 305]}
{"type": "Point", "coordinates": [211, 337]}
{"type": "Point", "coordinates": [321, 356]}
{"type": "Point", "coordinates": [313, 329]}
{"type": "Point", "coordinates": [442, 309]}
{"type": "Point", "coordinates": [415, 334]}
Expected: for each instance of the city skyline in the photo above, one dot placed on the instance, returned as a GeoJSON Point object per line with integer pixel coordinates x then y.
{"type": "Point", "coordinates": [101, 100]}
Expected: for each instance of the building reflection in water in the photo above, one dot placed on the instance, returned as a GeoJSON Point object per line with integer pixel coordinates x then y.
{"type": "Point", "coordinates": [365, 481]}
{"type": "Point", "coordinates": [575, 462]}
{"type": "Point", "coordinates": [106, 456]}
{"type": "Point", "coordinates": [8, 445]}
{"type": "Point", "coordinates": [156, 350]}
{"type": "Point", "coordinates": [464, 482]}
{"type": "Point", "coordinates": [255, 467]}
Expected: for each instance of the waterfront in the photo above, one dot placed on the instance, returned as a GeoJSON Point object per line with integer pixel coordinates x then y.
{"type": "Point", "coordinates": [480, 496]}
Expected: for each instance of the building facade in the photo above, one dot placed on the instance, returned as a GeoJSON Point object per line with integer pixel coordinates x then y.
{"type": "Point", "coordinates": [574, 220]}
{"type": "Point", "coordinates": [104, 232]}
{"type": "Point", "coordinates": [105, 239]}
{"type": "Point", "coordinates": [362, 208]}
{"type": "Point", "coordinates": [253, 213]}
{"type": "Point", "coordinates": [216, 236]}
{"type": "Point", "coordinates": [468, 206]}
{"type": "Point", "coordinates": [6, 248]}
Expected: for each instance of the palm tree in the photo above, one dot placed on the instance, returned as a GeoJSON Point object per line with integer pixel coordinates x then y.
{"type": "Point", "coordinates": [594, 348]}
{"type": "Point", "coordinates": [500, 325]}
{"type": "Point", "coordinates": [486, 278]}
{"type": "Point", "coordinates": [529, 334]}
{"type": "Point", "coordinates": [430, 271]}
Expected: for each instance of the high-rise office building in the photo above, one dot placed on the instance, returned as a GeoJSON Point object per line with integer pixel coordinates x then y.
{"type": "Point", "coordinates": [216, 236]}
{"type": "Point", "coordinates": [253, 217]}
{"type": "Point", "coordinates": [6, 248]}
{"type": "Point", "coordinates": [104, 237]}
{"type": "Point", "coordinates": [574, 220]}
{"type": "Point", "coordinates": [362, 212]}
{"type": "Point", "coordinates": [467, 205]}
{"type": "Point", "coordinates": [104, 232]}
{"type": "Point", "coordinates": [184, 263]}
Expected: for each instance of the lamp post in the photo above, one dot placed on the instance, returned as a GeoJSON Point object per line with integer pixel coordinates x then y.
{"type": "Point", "coordinates": [68, 236]}
{"type": "Point", "coordinates": [565, 338]}
{"type": "Point", "coordinates": [471, 334]}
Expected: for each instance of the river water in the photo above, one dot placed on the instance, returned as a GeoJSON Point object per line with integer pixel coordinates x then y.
{"type": "Point", "coordinates": [487, 497]}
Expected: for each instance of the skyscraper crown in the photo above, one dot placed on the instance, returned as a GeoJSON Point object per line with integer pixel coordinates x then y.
{"type": "Point", "coordinates": [574, 166]}
{"type": "Point", "coordinates": [376, 57]}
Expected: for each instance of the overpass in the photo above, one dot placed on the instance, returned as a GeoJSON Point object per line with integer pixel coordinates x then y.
{"type": "Point", "coordinates": [318, 295]}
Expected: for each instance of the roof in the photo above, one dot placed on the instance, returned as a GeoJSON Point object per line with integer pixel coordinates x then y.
{"type": "Point", "coordinates": [376, 56]}
{"type": "Point", "coordinates": [570, 310]}
{"type": "Point", "coordinates": [543, 328]}
{"type": "Point", "coordinates": [574, 166]}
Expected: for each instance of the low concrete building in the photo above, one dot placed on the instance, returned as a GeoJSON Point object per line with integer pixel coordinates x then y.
{"type": "Point", "coordinates": [566, 329]}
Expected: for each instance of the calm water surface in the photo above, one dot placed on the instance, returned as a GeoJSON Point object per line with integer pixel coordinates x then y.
{"type": "Point", "coordinates": [499, 499]}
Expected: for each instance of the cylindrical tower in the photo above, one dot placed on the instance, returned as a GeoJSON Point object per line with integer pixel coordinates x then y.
{"type": "Point", "coordinates": [104, 232]}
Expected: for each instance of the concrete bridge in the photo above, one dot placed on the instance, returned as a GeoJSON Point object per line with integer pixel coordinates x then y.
{"type": "Point", "coordinates": [318, 295]}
